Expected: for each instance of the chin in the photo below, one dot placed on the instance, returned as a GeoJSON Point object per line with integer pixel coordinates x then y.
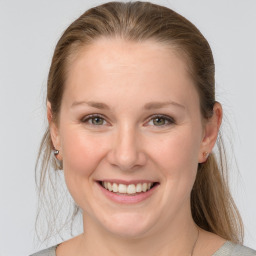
{"type": "Point", "coordinates": [128, 225]}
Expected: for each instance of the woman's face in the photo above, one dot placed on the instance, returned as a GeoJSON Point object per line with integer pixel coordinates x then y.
{"type": "Point", "coordinates": [130, 121]}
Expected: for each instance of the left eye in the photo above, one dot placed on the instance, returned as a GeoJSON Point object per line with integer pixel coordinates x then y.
{"type": "Point", "coordinates": [161, 121]}
{"type": "Point", "coordinates": [97, 120]}
{"type": "Point", "coordinates": [94, 120]}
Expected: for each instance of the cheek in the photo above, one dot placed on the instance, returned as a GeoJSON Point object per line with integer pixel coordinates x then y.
{"type": "Point", "coordinates": [178, 150]}
{"type": "Point", "coordinates": [82, 155]}
{"type": "Point", "coordinates": [82, 152]}
{"type": "Point", "coordinates": [177, 157]}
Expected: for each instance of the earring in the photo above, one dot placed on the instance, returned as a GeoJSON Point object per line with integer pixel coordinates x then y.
{"type": "Point", "coordinates": [206, 154]}
{"type": "Point", "coordinates": [56, 152]}
{"type": "Point", "coordinates": [58, 162]}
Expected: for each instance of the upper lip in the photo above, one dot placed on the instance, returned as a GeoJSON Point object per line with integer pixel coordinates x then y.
{"type": "Point", "coordinates": [127, 182]}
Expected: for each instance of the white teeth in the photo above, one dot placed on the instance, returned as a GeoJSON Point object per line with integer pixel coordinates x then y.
{"type": "Point", "coordinates": [127, 189]}
{"type": "Point", "coordinates": [139, 188]}
{"type": "Point", "coordinates": [115, 187]}
{"type": "Point", "coordinates": [109, 186]}
{"type": "Point", "coordinates": [131, 189]}
{"type": "Point", "coordinates": [144, 187]}
{"type": "Point", "coordinates": [122, 188]}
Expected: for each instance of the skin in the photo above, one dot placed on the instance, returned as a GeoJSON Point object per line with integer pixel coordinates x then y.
{"type": "Point", "coordinates": [128, 142]}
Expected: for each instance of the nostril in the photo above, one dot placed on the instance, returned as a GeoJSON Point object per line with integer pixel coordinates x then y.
{"type": "Point", "coordinates": [126, 155]}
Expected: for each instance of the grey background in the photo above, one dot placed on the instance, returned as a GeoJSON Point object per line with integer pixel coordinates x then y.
{"type": "Point", "coordinates": [29, 30]}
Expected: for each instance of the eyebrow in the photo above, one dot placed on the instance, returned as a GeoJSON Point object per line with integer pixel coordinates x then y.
{"type": "Point", "coordinates": [93, 104]}
{"type": "Point", "coordinates": [156, 105]}
{"type": "Point", "coordinates": [148, 106]}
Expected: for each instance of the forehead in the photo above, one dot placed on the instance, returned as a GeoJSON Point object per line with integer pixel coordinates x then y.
{"type": "Point", "coordinates": [118, 64]}
{"type": "Point", "coordinates": [120, 52]}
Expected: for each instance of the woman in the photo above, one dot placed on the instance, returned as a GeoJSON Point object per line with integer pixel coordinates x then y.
{"type": "Point", "coordinates": [132, 122]}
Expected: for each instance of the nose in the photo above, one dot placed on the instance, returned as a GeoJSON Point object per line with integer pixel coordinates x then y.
{"type": "Point", "coordinates": [126, 152]}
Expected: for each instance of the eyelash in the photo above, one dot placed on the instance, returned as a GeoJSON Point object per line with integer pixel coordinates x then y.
{"type": "Point", "coordinates": [168, 119]}
{"type": "Point", "coordinates": [90, 117]}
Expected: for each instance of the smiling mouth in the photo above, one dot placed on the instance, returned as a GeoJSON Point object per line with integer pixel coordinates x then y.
{"type": "Point", "coordinates": [129, 190]}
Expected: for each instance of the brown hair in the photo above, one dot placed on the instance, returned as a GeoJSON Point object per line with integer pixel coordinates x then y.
{"type": "Point", "coordinates": [213, 208]}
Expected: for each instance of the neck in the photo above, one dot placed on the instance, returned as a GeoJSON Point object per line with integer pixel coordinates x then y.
{"type": "Point", "coordinates": [177, 238]}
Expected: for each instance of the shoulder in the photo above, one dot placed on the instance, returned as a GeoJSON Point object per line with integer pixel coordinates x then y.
{"type": "Point", "coordinates": [231, 249]}
{"type": "Point", "coordinates": [47, 252]}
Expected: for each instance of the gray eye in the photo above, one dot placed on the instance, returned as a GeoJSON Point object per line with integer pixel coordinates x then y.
{"type": "Point", "coordinates": [158, 121]}
{"type": "Point", "coordinates": [97, 120]}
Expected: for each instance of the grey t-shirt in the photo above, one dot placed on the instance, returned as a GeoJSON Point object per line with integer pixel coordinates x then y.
{"type": "Point", "coordinates": [228, 249]}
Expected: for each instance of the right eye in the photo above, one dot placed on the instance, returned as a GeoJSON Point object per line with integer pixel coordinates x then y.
{"type": "Point", "coordinates": [97, 120]}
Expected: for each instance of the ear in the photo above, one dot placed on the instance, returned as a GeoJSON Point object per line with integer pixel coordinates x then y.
{"type": "Point", "coordinates": [54, 131]}
{"type": "Point", "coordinates": [211, 130]}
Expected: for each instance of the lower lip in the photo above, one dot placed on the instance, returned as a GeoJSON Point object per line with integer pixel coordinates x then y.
{"type": "Point", "coordinates": [127, 199]}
